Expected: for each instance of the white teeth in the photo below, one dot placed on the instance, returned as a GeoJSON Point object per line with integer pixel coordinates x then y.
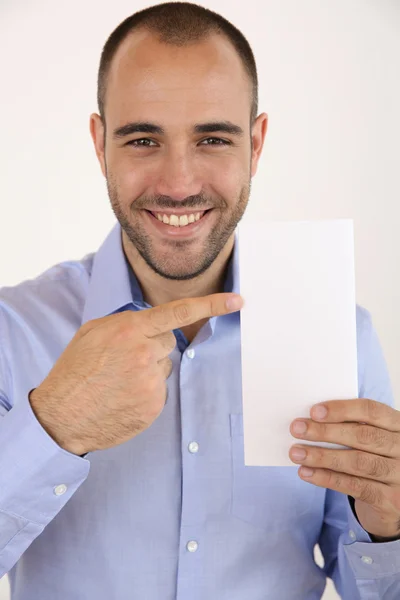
{"type": "Point", "coordinates": [181, 221]}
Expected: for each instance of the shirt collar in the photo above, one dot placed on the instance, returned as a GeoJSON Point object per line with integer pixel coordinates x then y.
{"type": "Point", "coordinates": [113, 285]}
{"type": "Point", "coordinates": [109, 285]}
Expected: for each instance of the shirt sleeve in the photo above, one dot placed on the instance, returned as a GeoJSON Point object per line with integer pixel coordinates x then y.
{"type": "Point", "coordinates": [360, 568]}
{"type": "Point", "coordinates": [37, 478]}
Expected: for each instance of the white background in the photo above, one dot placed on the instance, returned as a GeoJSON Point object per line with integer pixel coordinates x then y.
{"type": "Point", "coordinates": [329, 81]}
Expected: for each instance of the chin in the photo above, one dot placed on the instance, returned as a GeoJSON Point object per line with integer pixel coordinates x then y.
{"type": "Point", "coordinates": [181, 270]}
{"type": "Point", "coordinates": [177, 274]}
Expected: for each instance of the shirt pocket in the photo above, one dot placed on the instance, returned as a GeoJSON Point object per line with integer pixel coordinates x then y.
{"type": "Point", "coordinates": [271, 498]}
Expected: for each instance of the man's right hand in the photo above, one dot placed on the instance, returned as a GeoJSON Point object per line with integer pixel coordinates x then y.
{"type": "Point", "coordinates": [109, 384]}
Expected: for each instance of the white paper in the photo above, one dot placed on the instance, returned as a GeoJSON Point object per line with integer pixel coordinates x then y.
{"type": "Point", "coordinates": [298, 328]}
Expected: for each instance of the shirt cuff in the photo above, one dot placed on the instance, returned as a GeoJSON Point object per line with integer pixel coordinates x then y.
{"type": "Point", "coordinates": [37, 476]}
{"type": "Point", "coordinates": [367, 559]}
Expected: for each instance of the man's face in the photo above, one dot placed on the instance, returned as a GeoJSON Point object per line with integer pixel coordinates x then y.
{"type": "Point", "coordinates": [178, 192]}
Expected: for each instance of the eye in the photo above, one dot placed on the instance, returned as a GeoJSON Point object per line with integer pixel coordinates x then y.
{"type": "Point", "coordinates": [146, 142]}
{"type": "Point", "coordinates": [136, 143]}
{"type": "Point", "coordinates": [214, 141]}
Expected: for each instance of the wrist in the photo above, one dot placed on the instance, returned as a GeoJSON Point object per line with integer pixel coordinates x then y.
{"type": "Point", "coordinates": [36, 401]}
{"type": "Point", "coordinates": [390, 533]}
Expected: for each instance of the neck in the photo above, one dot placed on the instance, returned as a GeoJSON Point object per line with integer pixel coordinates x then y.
{"type": "Point", "coordinates": [158, 290]}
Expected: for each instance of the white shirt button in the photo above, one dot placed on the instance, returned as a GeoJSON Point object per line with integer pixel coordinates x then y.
{"type": "Point", "coordinates": [60, 489]}
{"type": "Point", "coordinates": [192, 546]}
{"type": "Point", "coordinates": [193, 447]}
{"type": "Point", "coordinates": [367, 560]}
{"type": "Point", "coordinates": [352, 534]}
{"type": "Point", "coordinates": [190, 353]}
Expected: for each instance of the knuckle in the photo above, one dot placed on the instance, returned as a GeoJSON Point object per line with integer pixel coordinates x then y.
{"type": "Point", "coordinates": [158, 318]}
{"type": "Point", "coordinates": [169, 341]}
{"type": "Point", "coordinates": [144, 356]}
{"type": "Point", "coordinates": [334, 480]}
{"type": "Point", "coordinates": [335, 461]}
{"type": "Point", "coordinates": [373, 466]}
{"type": "Point", "coordinates": [370, 494]}
{"type": "Point", "coordinates": [372, 409]}
{"type": "Point", "coordinates": [380, 438]}
{"type": "Point", "coordinates": [319, 455]}
{"type": "Point", "coordinates": [323, 430]}
{"type": "Point", "coordinates": [356, 486]}
{"type": "Point", "coordinates": [381, 468]}
{"type": "Point", "coordinates": [217, 305]}
{"type": "Point", "coordinates": [319, 431]}
{"type": "Point", "coordinates": [172, 340]}
{"type": "Point", "coordinates": [152, 386]}
{"type": "Point", "coordinates": [392, 444]}
{"type": "Point", "coordinates": [362, 463]}
{"type": "Point", "coordinates": [123, 331]}
{"type": "Point", "coordinates": [182, 313]}
{"type": "Point", "coordinates": [368, 435]}
{"type": "Point", "coordinates": [365, 434]}
{"type": "Point", "coordinates": [213, 307]}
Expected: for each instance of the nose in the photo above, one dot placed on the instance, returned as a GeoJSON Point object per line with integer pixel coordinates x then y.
{"type": "Point", "coordinates": [177, 176]}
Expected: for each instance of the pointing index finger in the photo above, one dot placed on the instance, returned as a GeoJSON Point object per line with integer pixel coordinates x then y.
{"type": "Point", "coordinates": [181, 313]}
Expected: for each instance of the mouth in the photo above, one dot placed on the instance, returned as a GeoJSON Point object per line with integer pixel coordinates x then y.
{"type": "Point", "coordinates": [179, 220]}
{"type": "Point", "coordinates": [181, 225]}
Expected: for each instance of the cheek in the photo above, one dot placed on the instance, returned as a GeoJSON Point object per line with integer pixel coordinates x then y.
{"type": "Point", "coordinates": [131, 181]}
{"type": "Point", "coordinates": [227, 178]}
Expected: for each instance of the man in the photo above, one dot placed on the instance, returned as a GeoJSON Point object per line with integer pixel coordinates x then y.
{"type": "Point", "coordinates": [122, 471]}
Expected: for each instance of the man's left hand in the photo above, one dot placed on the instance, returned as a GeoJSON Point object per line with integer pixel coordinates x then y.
{"type": "Point", "coordinates": [369, 470]}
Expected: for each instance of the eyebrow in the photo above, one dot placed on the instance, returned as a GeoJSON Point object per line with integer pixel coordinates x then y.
{"type": "Point", "coordinates": [146, 127]}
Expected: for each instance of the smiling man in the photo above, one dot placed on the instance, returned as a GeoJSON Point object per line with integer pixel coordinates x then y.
{"type": "Point", "coordinates": [178, 141]}
{"type": "Point", "coordinates": [121, 433]}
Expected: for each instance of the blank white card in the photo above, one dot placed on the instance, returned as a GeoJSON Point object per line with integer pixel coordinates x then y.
{"type": "Point", "coordinates": [298, 328]}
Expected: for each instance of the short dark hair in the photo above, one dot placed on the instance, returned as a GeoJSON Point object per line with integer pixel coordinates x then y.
{"type": "Point", "coordinates": [177, 24]}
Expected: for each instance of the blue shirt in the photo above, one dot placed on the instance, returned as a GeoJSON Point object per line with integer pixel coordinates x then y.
{"type": "Point", "coordinates": [173, 513]}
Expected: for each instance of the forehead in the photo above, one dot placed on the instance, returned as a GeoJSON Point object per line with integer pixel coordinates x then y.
{"type": "Point", "coordinates": [148, 76]}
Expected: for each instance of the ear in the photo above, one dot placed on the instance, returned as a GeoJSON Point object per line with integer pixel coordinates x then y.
{"type": "Point", "coordinates": [97, 133]}
{"type": "Point", "coordinates": [258, 134]}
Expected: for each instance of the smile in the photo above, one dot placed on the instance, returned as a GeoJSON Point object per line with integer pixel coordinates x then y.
{"type": "Point", "coordinates": [174, 225]}
{"type": "Point", "coordinates": [178, 220]}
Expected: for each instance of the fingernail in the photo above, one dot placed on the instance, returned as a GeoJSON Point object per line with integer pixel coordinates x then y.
{"type": "Point", "coordinates": [234, 302]}
{"type": "Point", "coordinates": [298, 453]}
{"type": "Point", "coordinates": [306, 472]}
{"type": "Point", "coordinates": [299, 427]}
{"type": "Point", "coordinates": [319, 412]}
